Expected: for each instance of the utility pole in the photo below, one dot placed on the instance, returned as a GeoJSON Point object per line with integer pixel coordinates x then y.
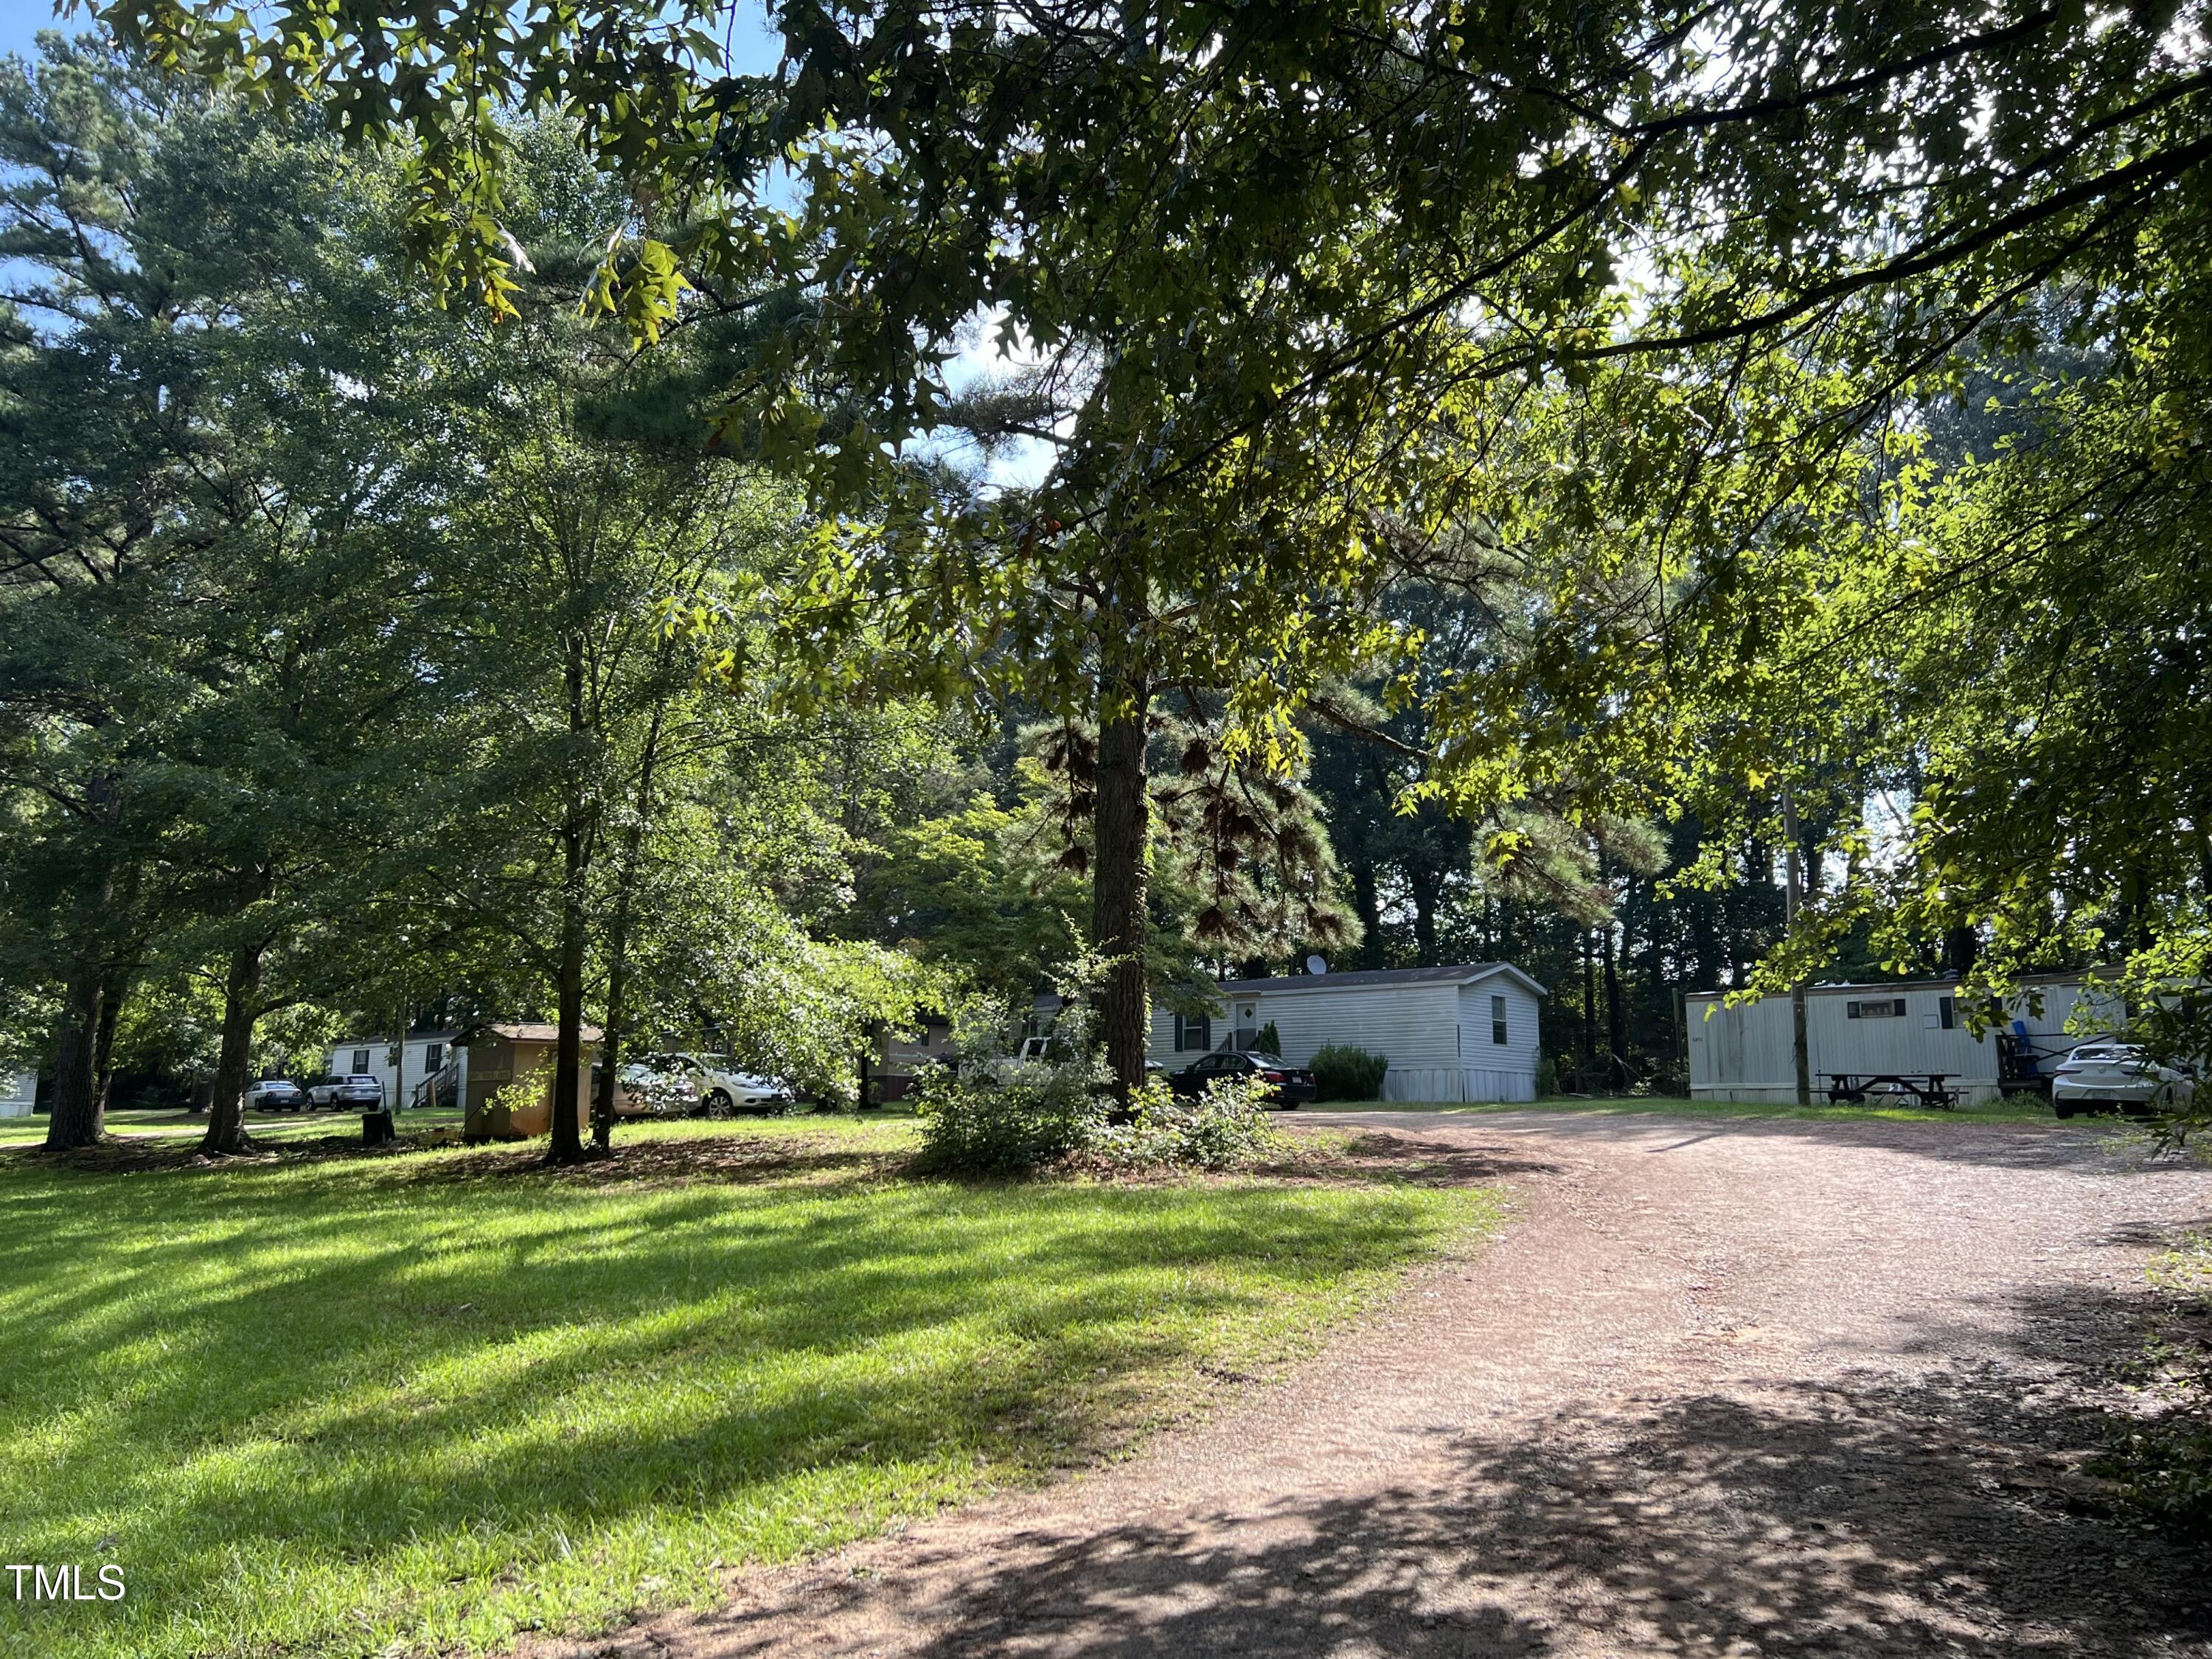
{"type": "Point", "coordinates": [1793, 881]}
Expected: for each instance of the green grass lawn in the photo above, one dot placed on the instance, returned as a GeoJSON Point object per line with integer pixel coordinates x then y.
{"type": "Point", "coordinates": [282, 1126]}
{"type": "Point", "coordinates": [2019, 1109]}
{"type": "Point", "coordinates": [384, 1404]}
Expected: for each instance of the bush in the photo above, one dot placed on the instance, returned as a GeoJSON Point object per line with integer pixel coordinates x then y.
{"type": "Point", "coordinates": [2161, 1455]}
{"type": "Point", "coordinates": [1223, 1128]}
{"type": "Point", "coordinates": [1341, 1072]}
{"type": "Point", "coordinates": [979, 1121]}
{"type": "Point", "coordinates": [1001, 1113]}
{"type": "Point", "coordinates": [1269, 1041]}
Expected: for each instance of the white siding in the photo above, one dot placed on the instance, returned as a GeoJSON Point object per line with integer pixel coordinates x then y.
{"type": "Point", "coordinates": [1747, 1053]}
{"type": "Point", "coordinates": [1162, 1049]}
{"type": "Point", "coordinates": [1436, 1049]}
{"type": "Point", "coordinates": [18, 1093]}
{"type": "Point", "coordinates": [415, 1065]}
{"type": "Point", "coordinates": [1490, 1070]}
{"type": "Point", "coordinates": [1409, 1024]}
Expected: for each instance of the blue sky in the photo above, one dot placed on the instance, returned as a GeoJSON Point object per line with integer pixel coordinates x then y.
{"type": "Point", "coordinates": [22, 20]}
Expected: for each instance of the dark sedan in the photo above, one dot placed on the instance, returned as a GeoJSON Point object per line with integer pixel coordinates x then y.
{"type": "Point", "coordinates": [1291, 1086]}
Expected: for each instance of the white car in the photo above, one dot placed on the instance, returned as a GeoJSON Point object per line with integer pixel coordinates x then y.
{"type": "Point", "coordinates": [2118, 1076]}
{"type": "Point", "coordinates": [722, 1090]}
{"type": "Point", "coordinates": [649, 1089]}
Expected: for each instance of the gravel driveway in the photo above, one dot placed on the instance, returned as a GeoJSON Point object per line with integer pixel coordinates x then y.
{"type": "Point", "coordinates": [1722, 1387]}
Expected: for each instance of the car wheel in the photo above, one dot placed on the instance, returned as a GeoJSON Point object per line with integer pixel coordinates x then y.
{"type": "Point", "coordinates": [718, 1102]}
{"type": "Point", "coordinates": [2063, 1110]}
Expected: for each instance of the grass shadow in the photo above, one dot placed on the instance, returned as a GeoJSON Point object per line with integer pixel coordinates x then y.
{"type": "Point", "coordinates": [341, 1403]}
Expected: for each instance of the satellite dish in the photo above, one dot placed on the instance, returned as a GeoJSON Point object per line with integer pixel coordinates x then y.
{"type": "Point", "coordinates": [1316, 965]}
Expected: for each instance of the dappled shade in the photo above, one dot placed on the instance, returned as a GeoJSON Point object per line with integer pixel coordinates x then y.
{"type": "Point", "coordinates": [406, 1399]}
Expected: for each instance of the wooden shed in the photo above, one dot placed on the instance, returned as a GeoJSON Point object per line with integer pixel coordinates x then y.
{"type": "Point", "coordinates": [500, 1055]}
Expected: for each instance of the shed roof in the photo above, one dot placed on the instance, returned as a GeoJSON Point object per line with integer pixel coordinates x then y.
{"type": "Point", "coordinates": [533, 1031]}
{"type": "Point", "coordinates": [1463, 973]}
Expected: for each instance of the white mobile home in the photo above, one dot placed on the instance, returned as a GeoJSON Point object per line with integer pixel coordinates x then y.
{"type": "Point", "coordinates": [18, 1093]}
{"type": "Point", "coordinates": [425, 1058]}
{"type": "Point", "coordinates": [1461, 1033]}
{"type": "Point", "coordinates": [1747, 1052]}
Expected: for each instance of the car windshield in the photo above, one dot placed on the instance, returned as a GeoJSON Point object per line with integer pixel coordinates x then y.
{"type": "Point", "coordinates": [2106, 1051]}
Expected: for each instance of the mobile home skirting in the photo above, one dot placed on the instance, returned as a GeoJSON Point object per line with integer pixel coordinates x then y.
{"type": "Point", "coordinates": [1457, 1082]}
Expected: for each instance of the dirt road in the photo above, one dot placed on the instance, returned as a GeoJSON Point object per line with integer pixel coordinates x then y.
{"type": "Point", "coordinates": [1722, 1387]}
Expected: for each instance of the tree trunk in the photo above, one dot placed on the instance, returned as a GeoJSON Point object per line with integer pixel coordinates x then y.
{"type": "Point", "coordinates": [1426, 891]}
{"type": "Point", "coordinates": [1365, 900]}
{"type": "Point", "coordinates": [611, 1039]}
{"type": "Point", "coordinates": [1120, 828]}
{"type": "Point", "coordinates": [567, 1135]}
{"type": "Point", "coordinates": [568, 1145]}
{"type": "Point", "coordinates": [1587, 1061]}
{"type": "Point", "coordinates": [1616, 1056]}
{"type": "Point", "coordinates": [76, 1118]}
{"type": "Point", "coordinates": [241, 999]}
{"type": "Point", "coordinates": [1962, 949]}
{"type": "Point", "coordinates": [1799, 1047]}
{"type": "Point", "coordinates": [103, 1045]}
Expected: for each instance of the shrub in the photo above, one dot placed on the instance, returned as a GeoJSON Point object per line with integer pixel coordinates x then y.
{"type": "Point", "coordinates": [1269, 1040]}
{"type": "Point", "coordinates": [1000, 1112]}
{"type": "Point", "coordinates": [2161, 1455]}
{"type": "Point", "coordinates": [1342, 1072]}
{"type": "Point", "coordinates": [1224, 1127]}
{"type": "Point", "coordinates": [979, 1121]}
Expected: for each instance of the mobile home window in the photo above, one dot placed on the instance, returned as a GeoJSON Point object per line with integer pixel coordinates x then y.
{"type": "Point", "coordinates": [434, 1056]}
{"type": "Point", "coordinates": [1193, 1031]}
{"type": "Point", "coordinates": [1876, 1008]}
{"type": "Point", "coordinates": [1498, 1019]}
{"type": "Point", "coordinates": [1946, 1013]}
{"type": "Point", "coordinates": [360, 1060]}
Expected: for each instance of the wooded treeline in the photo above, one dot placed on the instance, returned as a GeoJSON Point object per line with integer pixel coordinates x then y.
{"type": "Point", "coordinates": [1448, 477]}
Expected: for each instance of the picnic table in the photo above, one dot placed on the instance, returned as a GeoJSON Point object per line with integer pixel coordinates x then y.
{"type": "Point", "coordinates": [1926, 1087]}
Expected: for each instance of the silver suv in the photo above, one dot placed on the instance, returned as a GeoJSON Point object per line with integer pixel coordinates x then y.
{"type": "Point", "coordinates": [357, 1093]}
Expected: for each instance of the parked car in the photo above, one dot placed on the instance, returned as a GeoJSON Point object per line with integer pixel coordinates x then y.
{"type": "Point", "coordinates": [358, 1093]}
{"type": "Point", "coordinates": [1292, 1086]}
{"type": "Point", "coordinates": [721, 1088]}
{"type": "Point", "coordinates": [2118, 1076]}
{"type": "Point", "coordinates": [651, 1089]}
{"type": "Point", "coordinates": [274, 1094]}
